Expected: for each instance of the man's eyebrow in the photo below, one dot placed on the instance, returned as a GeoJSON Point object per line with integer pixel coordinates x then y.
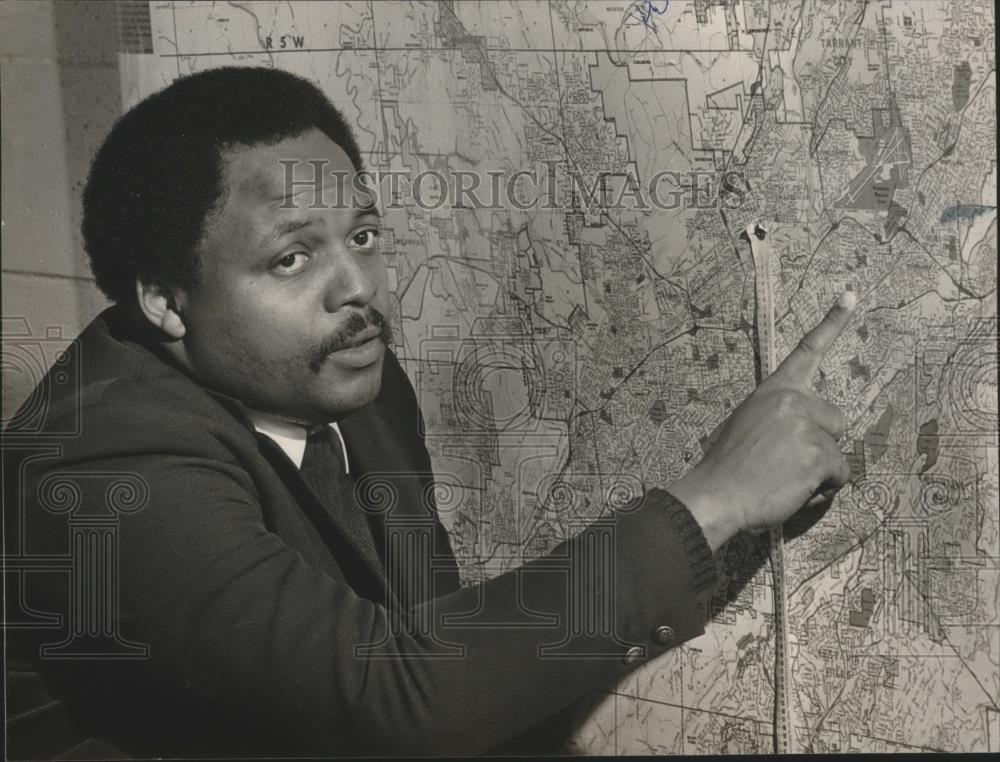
{"type": "Point", "coordinates": [286, 228]}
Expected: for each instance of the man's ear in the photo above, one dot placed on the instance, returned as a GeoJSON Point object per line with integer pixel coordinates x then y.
{"type": "Point", "coordinates": [161, 308]}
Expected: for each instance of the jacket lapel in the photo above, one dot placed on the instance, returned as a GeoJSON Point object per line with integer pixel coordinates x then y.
{"type": "Point", "coordinates": [394, 481]}
{"type": "Point", "coordinates": [339, 535]}
{"type": "Point", "coordinates": [393, 487]}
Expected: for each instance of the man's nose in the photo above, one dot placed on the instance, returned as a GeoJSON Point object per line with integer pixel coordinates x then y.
{"type": "Point", "coordinates": [350, 281]}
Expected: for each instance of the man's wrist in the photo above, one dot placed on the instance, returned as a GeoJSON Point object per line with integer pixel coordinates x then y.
{"type": "Point", "coordinates": [714, 519]}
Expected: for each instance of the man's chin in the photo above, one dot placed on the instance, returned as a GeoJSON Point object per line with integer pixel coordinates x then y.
{"type": "Point", "coordinates": [347, 390]}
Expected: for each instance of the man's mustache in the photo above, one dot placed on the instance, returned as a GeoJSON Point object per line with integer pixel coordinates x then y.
{"type": "Point", "coordinates": [349, 333]}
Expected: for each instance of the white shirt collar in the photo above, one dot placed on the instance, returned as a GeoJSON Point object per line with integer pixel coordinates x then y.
{"type": "Point", "coordinates": [291, 437]}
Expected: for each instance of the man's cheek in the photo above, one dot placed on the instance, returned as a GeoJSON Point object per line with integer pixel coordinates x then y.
{"type": "Point", "coordinates": [269, 333]}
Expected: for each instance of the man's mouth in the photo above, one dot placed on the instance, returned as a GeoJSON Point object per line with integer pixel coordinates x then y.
{"type": "Point", "coordinates": [372, 333]}
{"type": "Point", "coordinates": [360, 351]}
{"type": "Point", "coordinates": [364, 350]}
{"type": "Point", "coordinates": [354, 345]}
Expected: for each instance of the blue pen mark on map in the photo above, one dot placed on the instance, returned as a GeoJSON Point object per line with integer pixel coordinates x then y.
{"type": "Point", "coordinates": [645, 9]}
{"type": "Point", "coordinates": [964, 212]}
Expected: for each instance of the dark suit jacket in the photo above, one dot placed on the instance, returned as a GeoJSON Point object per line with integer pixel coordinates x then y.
{"type": "Point", "coordinates": [176, 589]}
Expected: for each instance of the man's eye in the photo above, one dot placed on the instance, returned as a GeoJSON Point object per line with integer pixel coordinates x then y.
{"type": "Point", "coordinates": [365, 239]}
{"type": "Point", "coordinates": [291, 263]}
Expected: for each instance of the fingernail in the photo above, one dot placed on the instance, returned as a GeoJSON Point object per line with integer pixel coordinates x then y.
{"type": "Point", "coordinates": [847, 300]}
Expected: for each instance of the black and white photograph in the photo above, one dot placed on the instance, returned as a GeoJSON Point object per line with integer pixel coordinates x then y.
{"type": "Point", "coordinates": [516, 378]}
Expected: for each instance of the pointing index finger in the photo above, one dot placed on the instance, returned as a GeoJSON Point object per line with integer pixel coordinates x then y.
{"type": "Point", "coordinates": [801, 365]}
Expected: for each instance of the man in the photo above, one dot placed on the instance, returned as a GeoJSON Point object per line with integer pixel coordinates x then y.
{"type": "Point", "coordinates": [240, 381]}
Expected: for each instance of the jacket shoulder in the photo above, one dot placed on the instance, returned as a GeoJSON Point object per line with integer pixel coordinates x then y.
{"type": "Point", "coordinates": [108, 392]}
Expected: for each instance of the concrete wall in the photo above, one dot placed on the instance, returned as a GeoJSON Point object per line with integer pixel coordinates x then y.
{"type": "Point", "coordinates": [60, 87]}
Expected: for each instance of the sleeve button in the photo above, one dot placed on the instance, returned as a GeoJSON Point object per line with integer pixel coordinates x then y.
{"type": "Point", "coordinates": [664, 635]}
{"type": "Point", "coordinates": [633, 655]}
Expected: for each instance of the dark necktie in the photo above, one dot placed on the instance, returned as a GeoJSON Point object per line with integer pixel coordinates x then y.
{"type": "Point", "coordinates": [323, 469]}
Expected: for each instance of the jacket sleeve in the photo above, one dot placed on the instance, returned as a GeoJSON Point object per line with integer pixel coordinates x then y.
{"type": "Point", "coordinates": [238, 621]}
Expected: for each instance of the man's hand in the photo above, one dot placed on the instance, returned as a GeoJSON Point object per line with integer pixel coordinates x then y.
{"type": "Point", "coordinates": [777, 451]}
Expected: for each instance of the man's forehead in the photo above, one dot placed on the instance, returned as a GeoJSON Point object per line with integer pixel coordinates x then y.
{"type": "Point", "coordinates": [298, 165]}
